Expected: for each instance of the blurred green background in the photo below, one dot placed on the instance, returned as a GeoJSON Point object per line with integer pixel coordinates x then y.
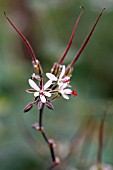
{"type": "Point", "coordinates": [74, 124]}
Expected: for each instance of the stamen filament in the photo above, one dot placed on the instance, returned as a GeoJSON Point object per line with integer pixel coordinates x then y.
{"type": "Point", "coordinates": [71, 38]}
{"type": "Point", "coordinates": [24, 39]}
{"type": "Point", "coordinates": [86, 40]}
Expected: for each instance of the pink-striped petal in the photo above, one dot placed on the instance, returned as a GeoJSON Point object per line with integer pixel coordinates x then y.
{"type": "Point", "coordinates": [31, 91]}
{"type": "Point", "coordinates": [33, 85]}
{"type": "Point", "coordinates": [48, 83]}
{"type": "Point", "coordinates": [47, 94]}
{"type": "Point", "coordinates": [65, 96]}
{"type": "Point", "coordinates": [64, 85]}
{"type": "Point", "coordinates": [67, 91]}
{"type": "Point", "coordinates": [36, 94]}
{"type": "Point", "coordinates": [42, 98]}
{"type": "Point", "coordinates": [62, 72]}
{"type": "Point", "coordinates": [51, 76]}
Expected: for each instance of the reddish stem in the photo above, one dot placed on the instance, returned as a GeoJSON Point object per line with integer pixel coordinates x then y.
{"type": "Point", "coordinates": [86, 40]}
{"type": "Point", "coordinates": [71, 38]}
{"type": "Point", "coordinates": [24, 39]}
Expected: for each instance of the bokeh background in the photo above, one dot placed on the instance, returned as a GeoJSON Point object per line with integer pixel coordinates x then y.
{"type": "Point", "coordinates": [74, 124]}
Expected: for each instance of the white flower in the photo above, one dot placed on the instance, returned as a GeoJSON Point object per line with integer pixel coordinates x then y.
{"type": "Point", "coordinates": [60, 80]}
{"type": "Point", "coordinates": [64, 92]}
{"type": "Point", "coordinates": [40, 92]}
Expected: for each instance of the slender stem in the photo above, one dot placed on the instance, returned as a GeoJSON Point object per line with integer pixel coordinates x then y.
{"type": "Point", "coordinates": [52, 152]}
{"type": "Point", "coordinates": [41, 117]}
{"type": "Point", "coordinates": [44, 136]}
{"type": "Point", "coordinates": [71, 38]}
{"type": "Point", "coordinates": [86, 40]}
{"type": "Point", "coordinates": [24, 39]}
{"type": "Point", "coordinates": [50, 142]}
{"type": "Point", "coordinates": [100, 136]}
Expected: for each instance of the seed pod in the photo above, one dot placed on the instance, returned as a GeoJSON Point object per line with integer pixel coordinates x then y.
{"type": "Point", "coordinates": [39, 105]}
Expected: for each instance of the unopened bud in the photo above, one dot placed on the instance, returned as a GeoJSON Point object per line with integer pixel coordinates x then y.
{"type": "Point", "coordinates": [35, 77]}
{"type": "Point", "coordinates": [55, 69]}
{"type": "Point", "coordinates": [37, 67]}
{"type": "Point", "coordinates": [39, 105]}
{"type": "Point", "coordinates": [49, 105]}
{"type": "Point", "coordinates": [68, 71]}
{"type": "Point", "coordinates": [28, 107]}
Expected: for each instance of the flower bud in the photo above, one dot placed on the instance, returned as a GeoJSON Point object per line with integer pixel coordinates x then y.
{"type": "Point", "coordinates": [35, 77]}
{"type": "Point", "coordinates": [55, 69]}
{"type": "Point", "coordinates": [39, 105]}
{"type": "Point", "coordinates": [49, 105]}
{"type": "Point", "coordinates": [28, 107]}
{"type": "Point", "coordinates": [37, 67]}
{"type": "Point", "coordinates": [68, 71]}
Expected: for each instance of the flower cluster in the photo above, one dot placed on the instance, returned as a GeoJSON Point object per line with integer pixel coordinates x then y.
{"type": "Point", "coordinates": [56, 86]}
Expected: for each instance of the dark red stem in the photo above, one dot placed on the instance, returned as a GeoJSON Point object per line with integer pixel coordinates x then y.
{"type": "Point", "coordinates": [71, 38]}
{"type": "Point", "coordinates": [86, 40]}
{"type": "Point", "coordinates": [24, 39]}
{"type": "Point", "coordinates": [41, 128]}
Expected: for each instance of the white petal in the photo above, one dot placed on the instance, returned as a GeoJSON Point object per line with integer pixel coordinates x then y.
{"type": "Point", "coordinates": [67, 91]}
{"type": "Point", "coordinates": [51, 76]}
{"type": "Point", "coordinates": [48, 83]}
{"type": "Point", "coordinates": [33, 85]}
{"type": "Point", "coordinates": [64, 85]}
{"type": "Point", "coordinates": [65, 96]}
{"type": "Point", "coordinates": [66, 79]}
{"type": "Point", "coordinates": [47, 94]}
{"type": "Point", "coordinates": [43, 99]}
{"type": "Point", "coordinates": [62, 72]}
{"type": "Point", "coordinates": [36, 94]}
{"type": "Point", "coordinates": [60, 84]}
